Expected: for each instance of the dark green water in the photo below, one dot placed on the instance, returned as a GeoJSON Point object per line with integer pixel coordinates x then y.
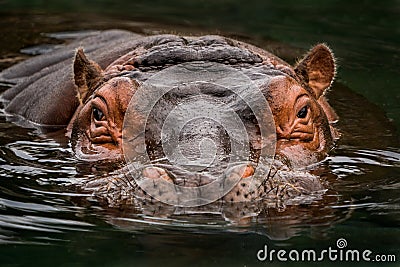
{"type": "Point", "coordinates": [44, 222]}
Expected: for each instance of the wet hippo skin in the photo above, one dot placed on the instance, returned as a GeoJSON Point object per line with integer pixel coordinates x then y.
{"type": "Point", "coordinates": [87, 93]}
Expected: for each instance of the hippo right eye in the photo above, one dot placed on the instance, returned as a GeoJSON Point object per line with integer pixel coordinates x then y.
{"type": "Point", "coordinates": [98, 114]}
{"type": "Point", "coordinates": [303, 112]}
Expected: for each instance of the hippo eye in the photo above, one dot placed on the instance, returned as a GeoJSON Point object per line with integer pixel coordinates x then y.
{"type": "Point", "coordinates": [97, 114]}
{"type": "Point", "coordinates": [302, 112]}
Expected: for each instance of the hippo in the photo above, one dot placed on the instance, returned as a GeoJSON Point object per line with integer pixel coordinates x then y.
{"type": "Point", "coordinates": [88, 96]}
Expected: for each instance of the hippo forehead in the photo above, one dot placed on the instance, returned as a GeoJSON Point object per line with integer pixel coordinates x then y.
{"type": "Point", "coordinates": [167, 50]}
{"type": "Point", "coordinates": [157, 53]}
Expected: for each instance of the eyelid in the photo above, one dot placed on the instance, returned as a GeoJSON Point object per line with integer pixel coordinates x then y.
{"type": "Point", "coordinates": [301, 101]}
{"type": "Point", "coordinates": [100, 105]}
{"type": "Point", "coordinates": [97, 96]}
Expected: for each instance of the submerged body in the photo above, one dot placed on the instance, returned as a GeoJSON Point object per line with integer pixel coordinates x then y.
{"type": "Point", "coordinates": [92, 108]}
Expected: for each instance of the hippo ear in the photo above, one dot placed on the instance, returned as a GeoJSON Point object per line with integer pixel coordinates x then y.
{"type": "Point", "coordinates": [87, 74]}
{"type": "Point", "coordinates": [317, 69]}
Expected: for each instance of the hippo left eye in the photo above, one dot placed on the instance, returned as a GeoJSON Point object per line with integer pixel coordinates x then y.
{"type": "Point", "coordinates": [98, 114]}
{"type": "Point", "coordinates": [302, 112]}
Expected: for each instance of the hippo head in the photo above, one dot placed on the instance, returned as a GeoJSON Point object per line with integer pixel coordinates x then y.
{"type": "Point", "coordinates": [303, 118]}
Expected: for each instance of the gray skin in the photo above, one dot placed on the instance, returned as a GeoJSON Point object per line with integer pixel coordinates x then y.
{"type": "Point", "coordinates": [43, 89]}
{"type": "Point", "coordinates": [53, 91]}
